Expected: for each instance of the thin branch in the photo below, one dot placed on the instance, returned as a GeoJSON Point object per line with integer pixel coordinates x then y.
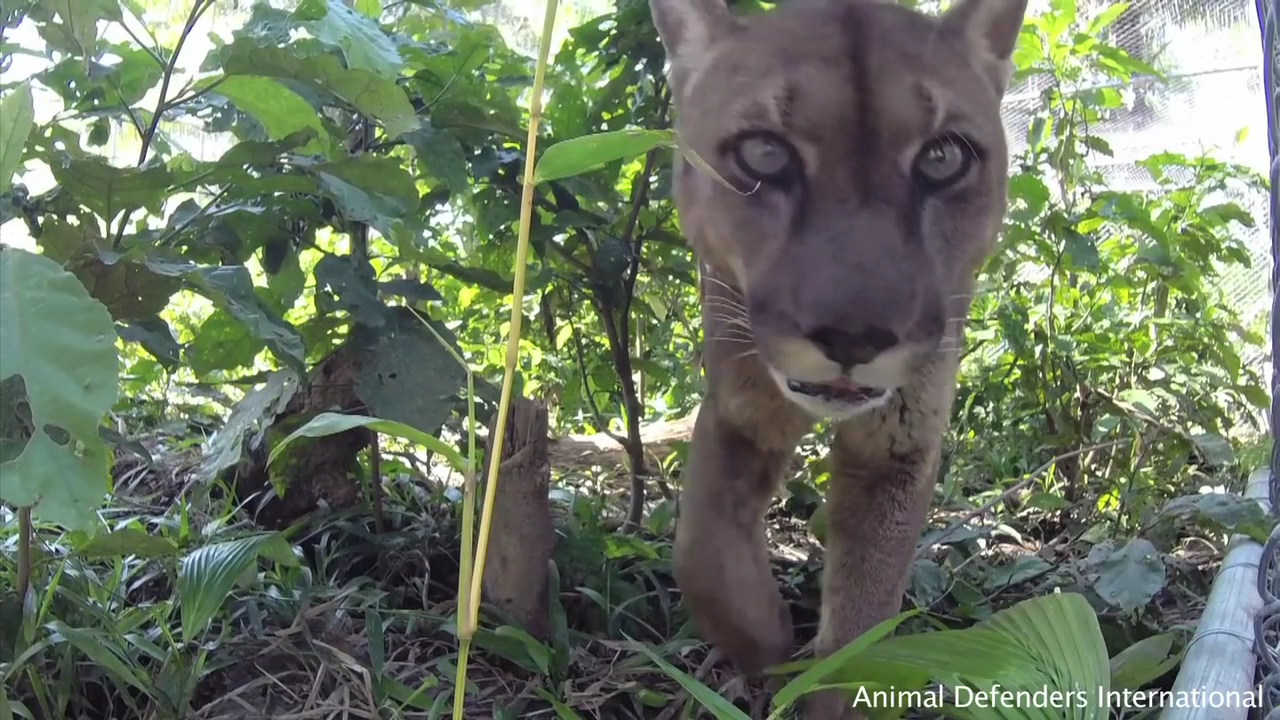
{"type": "Point", "coordinates": [154, 55]}
{"type": "Point", "coordinates": [639, 199]}
{"type": "Point", "coordinates": [586, 387]}
{"type": "Point", "coordinates": [198, 93]}
{"type": "Point", "coordinates": [161, 105]}
{"type": "Point", "coordinates": [1014, 489]}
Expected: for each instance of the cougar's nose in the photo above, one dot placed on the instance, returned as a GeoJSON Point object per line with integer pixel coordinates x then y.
{"type": "Point", "coordinates": [849, 348]}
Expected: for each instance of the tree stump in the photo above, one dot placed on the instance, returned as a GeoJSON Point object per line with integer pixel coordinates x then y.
{"type": "Point", "coordinates": [521, 535]}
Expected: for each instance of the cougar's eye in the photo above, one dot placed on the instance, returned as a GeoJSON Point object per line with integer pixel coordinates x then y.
{"type": "Point", "coordinates": [763, 156]}
{"type": "Point", "coordinates": [943, 161]}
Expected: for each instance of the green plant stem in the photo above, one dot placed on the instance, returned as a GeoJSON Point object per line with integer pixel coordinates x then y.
{"type": "Point", "coordinates": [468, 622]}
{"type": "Point", "coordinates": [23, 581]}
{"type": "Point", "coordinates": [161, 104]}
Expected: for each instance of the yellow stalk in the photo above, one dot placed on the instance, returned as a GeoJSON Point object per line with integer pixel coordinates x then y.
{"type": "Point", "coordinates": [467, 617]}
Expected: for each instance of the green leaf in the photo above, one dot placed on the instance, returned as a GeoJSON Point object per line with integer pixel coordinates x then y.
{"type": "Point", "coordinates": [304, 62]}
{"type": "Point", "coordinates": [538, 652]}
{"type": "Point", "coordinates": [352, 289]}
{"type": "Point", "coordinates": [222, 343]}
{"type": "Point", "coordinates": [326, 424]}
{"type": "Point", "coordinates": [564, 712]}
{"type": "Point", "coordinates": [1215, 449]}
{"type": "Point", "coordinates": [441, 155]}
{"type": "Point", "coordinates": [156, 337]}
{"type": "Point", "coordinates": [254, 413]}
{"type": "Point", "coordinates": [1060, 633]}
{"type": "Point", "coordinates": [105, 652]}
{"type": "Point", "coordinates": [1144, 662]}
{"type": "Point", "coordinates": [706, 697]}
{"type": "Point", "coordinates": [1128, 577]}
{"type": "Point", "coordinates": [406, 374]}
{"type": "Point", "coordinates": [1082, 250]}
{"type": "Point", "coordinates": [59, 375]}
{"type": "Point", "coordinates": [77, 31]}
{"type": "Point", "coordinates": [281, 111]}
{"type": "Point", "coordinates": [1020, 570]}
{"type": "Point", "coordinates": [363, 43]}
{"type": "Point", "coordinates": [17, 116]}
{"type": "Point", "coordinates": [1223, 512]}
{"type": "Point", "coordinates": [108, 190]}
{"type": "Point", "coordinates": [807, 680]}
{"type": "Point", "coordinates": [129, 290]}
{"type": "Point", "coordinates": [1104, 19]}
{"type": "Point", "coordinates": [125, 542]}
{"type": "Point", "coordinates": [231, 289]}
{"type": "Point", "coordinates": [589, 152]}
{"type": "Point", "coordinates": [208, 574]}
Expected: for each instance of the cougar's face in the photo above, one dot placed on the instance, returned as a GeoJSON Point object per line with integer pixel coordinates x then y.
{"type": "Point", "coordinates": [859, 181]}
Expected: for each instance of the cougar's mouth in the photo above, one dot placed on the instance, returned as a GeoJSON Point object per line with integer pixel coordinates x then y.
{"type": "Point", "coordinates": [839, 390]}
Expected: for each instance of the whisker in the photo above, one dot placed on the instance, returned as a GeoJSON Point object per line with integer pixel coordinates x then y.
{"type": "Point", "coordinates": [723, 284]}
{"type": "Point", "coordinates": [736, 310]}
{"type": "Point", "coordinates": [746, 354]}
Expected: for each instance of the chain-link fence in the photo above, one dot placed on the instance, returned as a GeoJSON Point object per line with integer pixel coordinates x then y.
{"type": "Point", "coordinates": [1267, 623]}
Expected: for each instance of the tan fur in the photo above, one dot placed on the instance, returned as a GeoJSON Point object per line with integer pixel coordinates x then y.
{"type": "Point", "coordinates": [804, 279]}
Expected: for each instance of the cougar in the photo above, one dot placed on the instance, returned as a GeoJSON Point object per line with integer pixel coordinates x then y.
{"type": "Point", "coordinates": [841, 179]}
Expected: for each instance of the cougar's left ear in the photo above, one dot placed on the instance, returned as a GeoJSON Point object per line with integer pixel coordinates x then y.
{"type": "Point", "coordinates": [990, 28]}
{"type": "Point", "coordinates": [687, 27]}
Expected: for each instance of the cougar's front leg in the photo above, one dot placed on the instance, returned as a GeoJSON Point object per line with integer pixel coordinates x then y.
{"type": "Point", "coordinates": [879, 495]}
{"type": "Point", "coordinates": [721, 561]}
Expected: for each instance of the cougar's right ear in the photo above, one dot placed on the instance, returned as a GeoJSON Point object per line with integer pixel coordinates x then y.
{"type": "Point", "coordinates": [687, 27]}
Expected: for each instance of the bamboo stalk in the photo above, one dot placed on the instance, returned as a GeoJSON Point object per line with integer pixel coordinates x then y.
{"type": "Point", "coordinates": [1220, 657]}
{"type": "Point", "coordinates": [467, 618]}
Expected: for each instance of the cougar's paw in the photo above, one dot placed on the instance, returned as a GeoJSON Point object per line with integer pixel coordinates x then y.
{"type": "Point", "coordinates": [830, 705]}
{"type": "Point", "coordinates": [736, 607]}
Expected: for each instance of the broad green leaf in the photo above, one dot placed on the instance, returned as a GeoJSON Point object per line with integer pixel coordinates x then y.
{"type": "Point", "coordinates": [706, 697]}
{"type": "Point", "coordinates": [17, 115]}
{"type": "Point", "coordinates": [93, 87]}
{"type": "Point", "coordinates": [352, 289]}
{"type": "Point", "coordinates": [281, 111]}
{"type": "Point", "coordinates": [974, 653]}
{"type": "Point", "coordinates": [76, 31]}
{"type": "Point", "coordinates": [208, 574]}
{"type": "Point", "coordinates": [333, 423]}
{"type": "Point", "coordinates": [127, 541]}
{"type": "Point", "coordinates": [589, 152]}
{"type": "Point", "coordinates": [129, 290]}
{"type": "Point", "coordinates": [231, 289]}
{"type": "Point", "coordinates": [1128, 576]}
{"type": "Point", "coordinates": [155, 336]}
{"type": "Point", "coordinates": [807, 680]}
{"type": "Point", "coordinates": [255, 411]}
{"type": "Point", "coordinates": [59, 375]}
{"type": "Point", "coordinates": [1215, 449]}
{"type": "Point", "coordinates": [440, 153]}
{"type": "Point", "coordinates": [1144, 661]}
{"type": "Point", "coordinates": [1223, 512]}
{"type": "Point", "coordinates": [1060, 633]}
{"type": "Point", "coordinates": [222, 343]}
{"type": "Point", "coordinates": [108, 190]}
{"type": "Point", "coordinates": [407, 375]}
{"type": "Point", "coordinates": [303, 61]}
{"type": "Point", "coordinates": [363, 43]}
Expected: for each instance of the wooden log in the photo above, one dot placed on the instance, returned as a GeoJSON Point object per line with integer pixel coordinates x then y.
{"type": "Point", "coordinates": [521, 536]}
